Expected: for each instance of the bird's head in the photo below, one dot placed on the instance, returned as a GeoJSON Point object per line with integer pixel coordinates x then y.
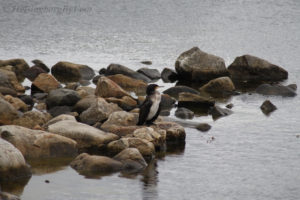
{"type": "Point", "coordinates": [151, 89]}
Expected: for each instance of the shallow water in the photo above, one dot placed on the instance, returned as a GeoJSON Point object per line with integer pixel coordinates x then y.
{"type": "Point", "coordinates": [252, 156]}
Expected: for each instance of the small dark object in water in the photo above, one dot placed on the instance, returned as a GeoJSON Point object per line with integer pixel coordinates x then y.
{"type": "Point", "coordinates": [47, 181]}
{"type": "Point", "coordinates": [267, 107]}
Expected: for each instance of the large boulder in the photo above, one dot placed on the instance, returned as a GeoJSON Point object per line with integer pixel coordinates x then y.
{"type": "Point", "coordinates": [8, 113]}
{"type": "Point", "coordinates": [129, 84]}
{"type": "Point", "coordinates": [12, 162]}
{"type": "Point", "coordinates": [45, 83]}
{"type": "Point", "coordinates": [169, 75]}
{"type": "Point", "coordinates": [267, 107]}
{"type": "Point", "coordinates": [219, 87]}
{"type": "Point", "coordinates": [62, 97]}
{"type": "Point", "coordinates": [86, 136]}
{"type": "Point", "coordinates": [150, 73]}
{"type": "Point", "coordinates": [276, 90]}
{"type": "Point", "coordinates": [176, 90]}
{"type": "Point", "coordinates": [174, 132]}
{"type": "Point", "coordinates": [251, 68]}
{"type": "Point", "coordinates": [131, 159]}
{"type": "Point", "coordinates": [84, 103]}
{"type": "Point", "coordinates": [198, 66]}
{"type": "Point", "coordinates": [95, 165]}
{"type": "Point", "coordinates": [71, 72]}
{"type": "Point", "coordinates": [16, 102]}
{"type": "Point", "coordinates": [19, 66]}
{"type": "Point", "coordinates": [98, 111]}
{"type": "Point", "coordinates": [157, 137]}
{"type": "Point", "coordinates": [11, 77]}
{"type": "Point", "coordinates": [192, 101]}
{"type": "Point", "coordinates": [113, 69]}
{"type": "Point", "coordinates": [35, 144]}
{"type": "Point", "coordinates": [126, 102]}
{"type": "Point", "coordinates": [108, 88]}
{"type": "Point", "coordinates": [32, 119]}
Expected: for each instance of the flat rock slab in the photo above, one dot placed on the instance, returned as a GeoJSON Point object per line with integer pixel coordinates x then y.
{"type": "Point", "coordinates": [277, 90]}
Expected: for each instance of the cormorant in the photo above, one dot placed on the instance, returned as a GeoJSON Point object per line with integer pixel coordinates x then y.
{"type": "Point", "coordinates": [150, 108]}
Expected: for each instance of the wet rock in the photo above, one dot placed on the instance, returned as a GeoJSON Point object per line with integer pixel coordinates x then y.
{"type": "Point", "coordinates": [108, 88]}
{"type": "Point", "coordinates": [203, 127]}
{"type": "Point", "coordinates": [62, 97]}
{"type": "Point", "coordinates": [86, 136]}
{"type": "Point", "coordinates": [59, 110]}
{"type": "Point", "coordinates": [40, 64]}
{"type": "Point", "coordinates": [113, 69]}
{"type": "Point", "coordinates": [145, 147]}
{"type": "Point", "coordinates": [267, 107]}
{"type": "Point", "coordinates": [174, 132]}
{"type": "Point", "coordinates": [85, 91]}
{"type": "Point", "coordinates": [198, 66]}
{"type": "Point", "coordinates": [16, 102]}
{"type": "Point", "coordinates": [218, 112]}
{"type": "Point", "coordinates": [9, 79]}
{"type": "Point", "coordinates": [277, 90]}
{"type": "Point", "coordinates": [147, 62]}
{"type": "Point", "coordinates": [149, 134]}
{"type": "Point", "coordinates": [8, 113]}
{"type": "Point", "coordinates": [98, 111]}
{"type": "Point", "coordinates": [150, 73]}
{"type": "Point", "coordinates": [251, 68]}
{"type": "Point", "coordinates": [229, 106]}
{"type": "Point", "coordinates": [184, 113]}
{"type": "Point", "coordinates": [167, 102]}
{"type": "Point", "coordinates": [95, 79]}
{"type": "Point", "coordinates": [19, 66]}
{"type": "Point", "coordinates": [60, 118]}
{"type": "Point", "coordinates": [131, 159]}
{"type": "Point", "coordinates": [292, 86]}
{"type": "Point", "coordinates": [190, 100]}
{"type": "Point", "coordinates": [33, 72]}
{"type": "Point", "coordinates": [129, 84]}
{"type": "Point", "coordinates": [7, 91]}
{"type": "Point", "coordinates": [12, 162]}
{"type": "Point", "coordinates": [102, 71]}
{"type": "Point", "coordinates": [176, 90]}
{"type": "Point", "coordinates": [219, 87]}
{"type": "Point", "coordinates": [32, 118]}
{"type": "Point", "coordinates": [169, 75]}
{"type": "Point", "coordinates": [126, 103]}
{"type": "Point", "coordinates": [45, 83]}
{"type": "Point", "coordinates": [84, 103]}
{"type": "Point", "coordinates": [7, 196]}
{"type": "Point", "coordinates": [71, 72]}
{"type": "Point", "coordinates": [37, 144]}
{"type": "Point", "coordinates": [91, 164]}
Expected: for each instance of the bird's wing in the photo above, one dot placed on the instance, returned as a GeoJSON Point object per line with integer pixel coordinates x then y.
{"type": "Point", "coordinates": [144, 111]}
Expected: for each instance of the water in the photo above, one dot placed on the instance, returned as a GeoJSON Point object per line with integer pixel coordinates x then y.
{"type": "Point", "coordinates": [252, 156]}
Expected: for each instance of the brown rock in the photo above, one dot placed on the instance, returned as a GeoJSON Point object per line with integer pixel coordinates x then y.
{"type": "Point", "coordinates": [174, 132]}
{"type": "Point", "coordinates": [190, 100]}
{"type": "Point", "coordinates": [219, 87]}
{"type": "Point", "coordinates": [13, 80]}
{"type": "Point", "coordinates": [16, 102]}
{"type": "Point", "coordinates": [108, 88]}
{"type": "Point", "coordinates": [8, 113]}
{"type": "Point", "coordinates": [19, 66]}
{"type": "Point", "coordinates": [84, 103]}
{"type": "Point", "coordinates": [126, 102]}
{"type": "Point", "coordinates": [85, 91]}
{"type": "Point", "coordinates": [158, 137]}
{"type": "Point", "coordinates": [131, 159]}
{"type": "Point", "coordinates": [46, 82]}
{"type": "Point", "coordinates": [32, 118]}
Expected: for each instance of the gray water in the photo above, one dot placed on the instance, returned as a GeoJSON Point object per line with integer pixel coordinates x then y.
{"type": "Point", "coordinates": [252, 156]}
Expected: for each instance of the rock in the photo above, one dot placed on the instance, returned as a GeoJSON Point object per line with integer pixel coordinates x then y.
{"type": "Point", "coordinates": [84, 82]}
{"type": "Point", "coordinates": [85, 91]}
{"type": "Point", "coordinates": [145, 147]}
{"type": "Point", "coordinates": [32, 118]}
{"type": "Point", "coordinates": [184, 113]}
{"type": "Point", "coordinates": [150, 73]}
{"type": "Point", "coordinates": [254, 69]}
{"type": "Point", "coordinates": [98, 111]}
{"type": "Point", "coordinates": [219, 87]}
{"type": "Point", "coordinates": [71, 72]}
{"type": "Point", "coordinates": [84, 103]}
{"type": "Point", "coordinates": [40, 64]}
{"type": "Point", "coordinates": [59, 118]}
{"type": "Point", "coordinates": [146, 62]}
{"type": "Point", "coordinates": [164, 113]}
{"type": "Point", "coordinates": [72, 85]}
{"type": "Point", "coordinates": [102, 71]}
{"type": "Point", "coordinates": [113, 69]}
{"type": "Point", "coordinates": [167, 102]}
{"type": "Point", "coordinates": [108, 88]}
{"type": "Point", "coordinates": [27, 99]}
{"type": "Point", "coordinates": [198, 66]}
{"type": "Point", "coordinates": [8, 113]}
{"type": "Point", "coordinates": [12, 162]}
{"type": "Point", "coordinates": [149, 134]}
{"type": "Point", "coordinates": [86, 136]}
{"type": "Point", "coordinates": [40, 96]}
{"type": "Point", "coordinates": [267, 107]}
{"type": "Point", "coordinates": [95, 79]}
{"type": "Point", "coordinates": [59, 110]}
{"type": "Point", "coordinates": [45, 83]}
{"type": "Point", "coordinates": [126, 103]}
{"type": "Point", "coordinates": [174, 132]}
{"type": "Point", "coordinates": [169, 75]}
{"type": "Point", "coordinates": [175, 91]}
{"type": "Point", "coordinates": [292, 86]}
{"type": "Point", "coordinates": [91, 164]}
{"type": "Point", "coordinates": [62, 97]}
{"type": "Point", "coordinates": [129, 84]}
{"type": "Point", "coordinates": [13, 82]}
{"type": "Point", "coordinates": [277, 90]}
{"type": "Point", "coordinates": [203, 127]}
{"type": "Point", "coordinates": [19, 66]}
{"type": "Point", "coordinates": [33, 72]}
{"type": "Point", "coordinates": [17, 103]}
{"type": "Point", "coordinates": [36, 144]}
{"type": "Point", "coordinates": [7, 196]}
{"type": "Point", "coordinates": [191, 101]}
{"type": "Point", "coordinates": [229, 106]}
{"type": "Point", "coordinates": [7, 91]}
{"type": "Point", "coordinates": [131, 159]}
{"type": "Point", "coordinates": [218, 112]}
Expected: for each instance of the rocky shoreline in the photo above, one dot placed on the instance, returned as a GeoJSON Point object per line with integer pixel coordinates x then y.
{"type": "Point", "coordinates": [64, 117]}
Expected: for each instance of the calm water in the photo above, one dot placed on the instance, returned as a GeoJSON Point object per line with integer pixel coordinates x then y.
{"type": "Point", "coordinates": [252, 156]}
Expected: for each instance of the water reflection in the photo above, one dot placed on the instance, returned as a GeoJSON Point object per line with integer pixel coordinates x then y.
{"type": "Point", "coordinates": [45, 166]}
{"type": "Point", "coordinates": [15, 187]}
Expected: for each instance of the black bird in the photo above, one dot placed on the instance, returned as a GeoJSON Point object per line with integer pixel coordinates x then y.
{"type": "Point", "coordinates": [150, 108]}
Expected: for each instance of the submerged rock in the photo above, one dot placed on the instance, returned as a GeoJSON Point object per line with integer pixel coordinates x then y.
{"type": "Point", "coordinates": [8, 113]}
{"type": "Point", "coordinates": [59, 110]}
{"type": "Point", "coordinates": [131, 159]}
{"type": "Point", "coordinates": [176, 90]}
{"type": "Point", "coordinates": [198, 66]}
{"type": "Point", "coordinates": [167, 102]}
{"type": "Point", "coordinates": [203, 127]}
{"type": "Point", "coordinates": [169, 75]}
{"type": "Point", "coordinates": [184, 113]}
{"type": "Point", "coordinates": [219, 87]}
{"type": "Point", "coordinates": [277, 90]}
{"type": "Point", "coordinates": [251, 68]}
{"type": "Point", "coordinates": [150, 73]}
{"type": "Point", "coordinates": [108, 88]}
{"type": "Point", "coordinates": [267, 107]}
{"type": "Point", "coordinates": [38, 144]}
{"type": "Point", "coordinates": [218, 112]}
{"type": "Point", "coordinates": [62, 97]}
{"type": "Point", "coordinates": [84, 103]}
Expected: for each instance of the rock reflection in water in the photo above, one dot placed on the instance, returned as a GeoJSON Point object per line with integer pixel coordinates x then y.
{"type": "Point", "coordinates": [15, 187]}
{"type": "Point", "coordinates": [45, 166]}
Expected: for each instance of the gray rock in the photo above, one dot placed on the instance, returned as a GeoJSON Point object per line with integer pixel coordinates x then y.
{"type": "Point", "coordinates": [169, 75]}
{"type": "Point", "coordinates": [203, 127]}
{"type": "Point", "coordinates": [95, 79]}
{"type": "Point", "coordinates": [198, 66]}
{"type": "Point", "coordinates": [146, 62]}
{"type": "Point", "coordinates": [33, 72]}
{"type": "Point", "coordinates": [62, 97]}
{"type": "Point", "coordinates": [277, 90]}
{"type": "Point", "coordinates": [184, 113]}
{"type": "Point", "coordinates": [176, 90]}
{"type": "Point", "coordinates": [150, 73]}
{"type": "Point", "coordinates": [267, 107]}
{"type": "Point", "coordinates": [9, 79]}
{"type": "Point", "coordinates": [131, 159]}
{"type": "Point", "coordinates": [84, 103]}
{"type": "Point", "coordinates": [59, 110]}
{"type": "Point", "coordinates": [4, 81]}
{"type": "Point", "coordinates": [218, 112]}
{"type": "Point", "coordinates": [251, 68]}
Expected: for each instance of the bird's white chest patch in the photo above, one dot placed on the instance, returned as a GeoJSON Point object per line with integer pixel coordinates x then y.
{"type": "Point", "coordinates": [154, 108]}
